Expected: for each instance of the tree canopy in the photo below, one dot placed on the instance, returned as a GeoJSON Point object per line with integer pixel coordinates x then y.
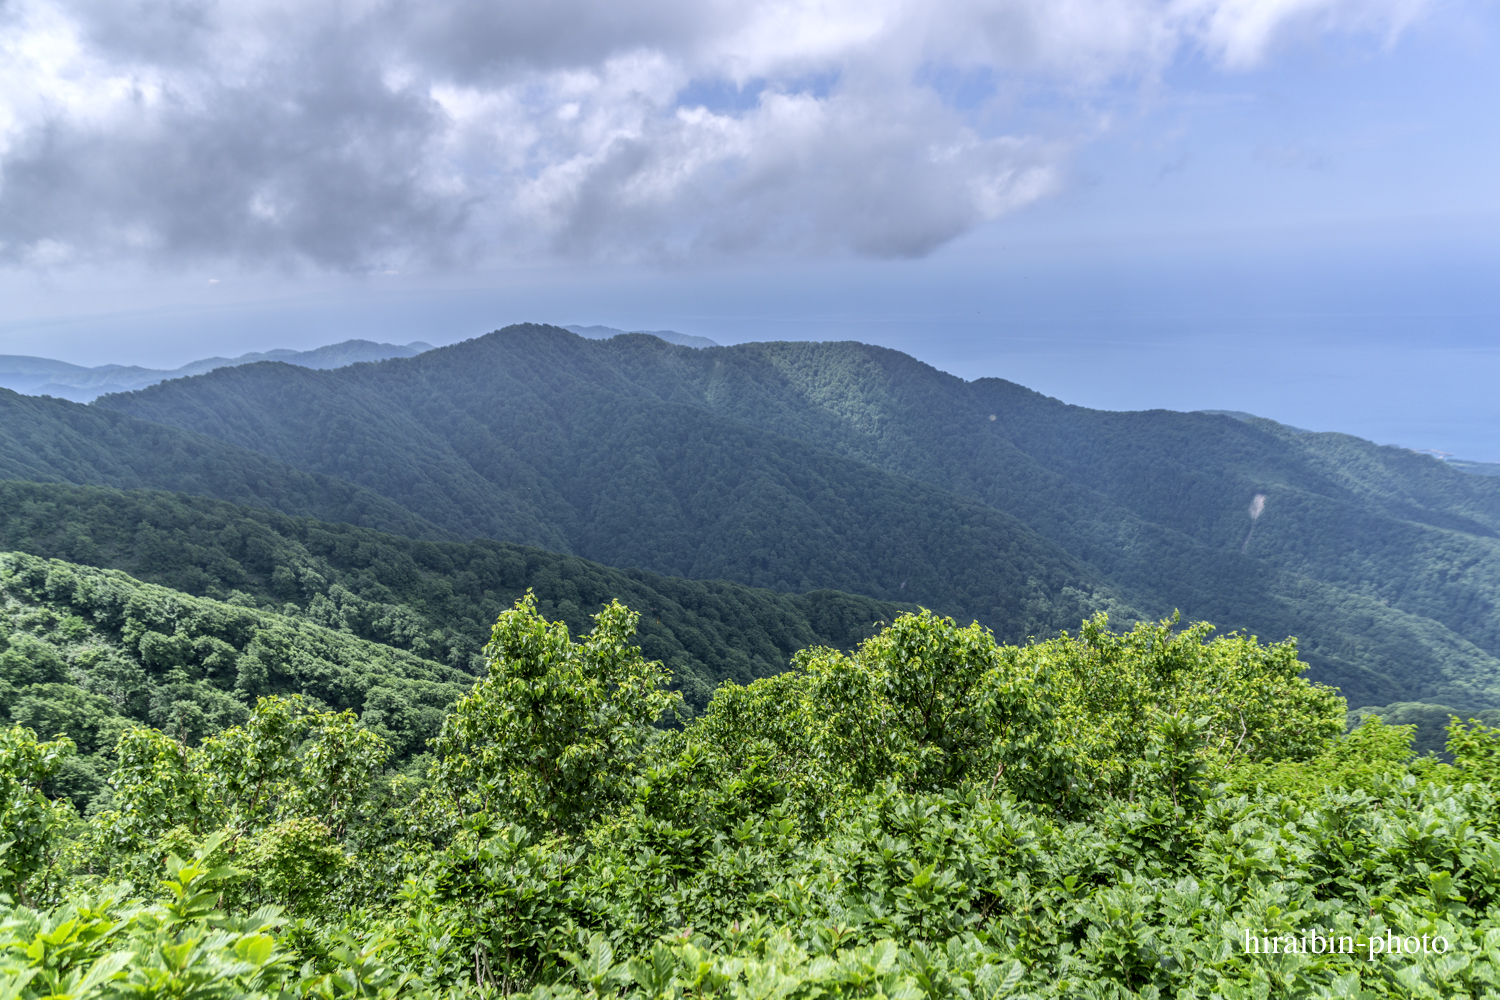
{"type": "Point", "coordinates": [931, 815]}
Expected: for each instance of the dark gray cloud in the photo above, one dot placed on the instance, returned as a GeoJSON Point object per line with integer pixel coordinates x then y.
{"type": "Point", "coordinates": [396, 133]}
{"type": "Point", "coordinates": [318, 161]}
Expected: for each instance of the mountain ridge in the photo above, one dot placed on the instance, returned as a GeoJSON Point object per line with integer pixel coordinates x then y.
{"type": "Point", "coordinates": [607, 444]}
{"type": "Point", "coordinates": [670, 336]}
{"type": "Point", "coordinates": [518, 480]}
{"type": "Point", "coordinates": [46, 377]}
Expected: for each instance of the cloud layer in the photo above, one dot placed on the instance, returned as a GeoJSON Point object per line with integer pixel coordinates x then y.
{"type": "Point", "coordinates": [374, 134]}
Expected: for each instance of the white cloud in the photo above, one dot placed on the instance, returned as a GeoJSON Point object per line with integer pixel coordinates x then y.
{"type": "Point", "coordinates": [1241, 32]}
{"type": "Point", "coordinates": [353, 132]}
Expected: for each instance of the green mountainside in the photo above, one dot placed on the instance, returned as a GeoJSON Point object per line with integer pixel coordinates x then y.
{"type": "Point", "coordinates": [661, 487]}
{"type": "Point", "coordinates": [851, 467]}
{"type": "Point", "coordinates": [53, 440]}
{"type": "Point", "coordinates": [88, 652]}
{"type": "Point", "coordinates": [436, 600]}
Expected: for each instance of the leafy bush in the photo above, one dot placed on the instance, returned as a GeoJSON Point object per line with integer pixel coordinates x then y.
{"type": "Point", "coordinates": [29, 822]}
{"type": "Point", "coordinates": [556, 730]}
{"type": "Point", "coordinates": [933, 816]}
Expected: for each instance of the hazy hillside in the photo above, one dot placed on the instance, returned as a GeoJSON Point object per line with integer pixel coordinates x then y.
{"type": "Point", "coordinates": [52, 440]}
{"type": "Point", "coordinates": [437, 600]}
{"type": "Point", "coordinates": [46, 377]}
{"type": "Point", "coordinates": [670, 336]}
{"type": "Point", "coordinates": [846, 466]}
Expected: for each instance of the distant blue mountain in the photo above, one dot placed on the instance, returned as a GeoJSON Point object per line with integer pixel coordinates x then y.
{"type": "Point", "coordinates": [670, 336]}
{"type": "Point", "coordinates": [46, 377]}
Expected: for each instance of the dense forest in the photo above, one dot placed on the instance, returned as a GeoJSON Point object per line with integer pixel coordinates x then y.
{"type": "Point", "coordinates": [89, 653]}
{"type": "Point", "coordinates": [931, 816]}
{"type": "Point", "coordinates": [762, 517]}
{"type": "Point", "coordinates": [55, 441]}
{"type": "Point", "coordinates": [676, 491]}
{"type": "Point", "coordinates": [436, 600]}
{"type": "Point", "coordinates": [850, 467]}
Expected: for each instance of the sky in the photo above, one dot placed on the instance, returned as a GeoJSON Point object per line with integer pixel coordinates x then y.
{"type": "Point", "coordinates": [1287, 207]}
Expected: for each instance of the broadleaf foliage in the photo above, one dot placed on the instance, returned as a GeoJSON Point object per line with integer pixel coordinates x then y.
{"type": "Point", "coordinates": [931, 816]}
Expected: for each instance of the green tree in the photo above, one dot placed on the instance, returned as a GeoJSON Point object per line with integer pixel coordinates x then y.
{"type": "Point", "coordinates": [906, 705]}
{"type": "Point", "coordinates": [925, 703]}
{"type": "Point", "coordinates": [557, 730]}
{"type": "Point", "coordinates": [29, 823]}
{"type": "Point", "coordinates": [1113, 691]}
{"type": "Point", "coordinates": [1476, 749]}
{"type": "Point", "coordinates": [285, 788]}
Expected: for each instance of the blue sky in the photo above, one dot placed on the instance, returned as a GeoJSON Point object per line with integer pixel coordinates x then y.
{"type": "Point", "coordinates": [1286, 207]}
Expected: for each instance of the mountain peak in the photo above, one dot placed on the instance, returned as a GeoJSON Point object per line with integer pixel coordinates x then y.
{"type": "Point", "coordinates": [670, 336]}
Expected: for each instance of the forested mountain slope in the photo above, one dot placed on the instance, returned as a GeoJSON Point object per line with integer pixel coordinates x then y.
{"type": "Point", "coordinates": [1360, 548]}
{"type": "Point", "coordinates": [577, 465]}
{"type": "Point", "coordinates": [87, 652]}
{"type": "Point", "coordinates": [1157, 499]}
{"type": "Point", "coordinates": [53, 440]}
{"type": "Point", "coordinates": [854, 467]}
{"type": "Point", "coordinates": [436, 600]}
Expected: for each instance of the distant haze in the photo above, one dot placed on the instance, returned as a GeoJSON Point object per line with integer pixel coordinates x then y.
{"type": "Point", "coordinates": [46, 377]}
{"type": "Point", "coordinates": [670, 336]}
